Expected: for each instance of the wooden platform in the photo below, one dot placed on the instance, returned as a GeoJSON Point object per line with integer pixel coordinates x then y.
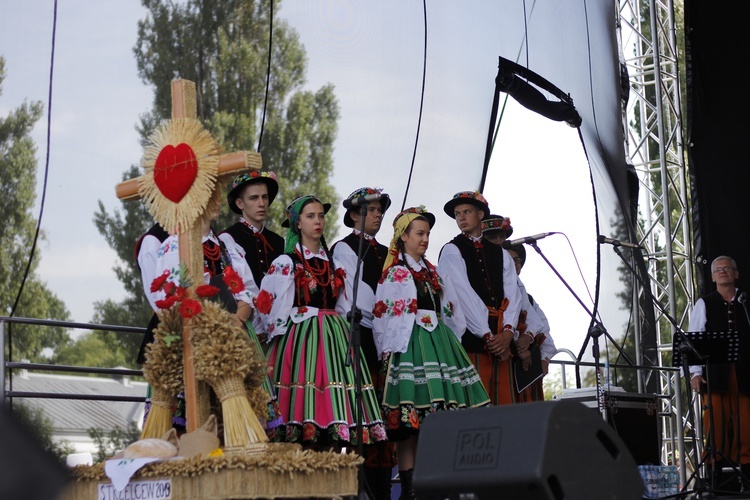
{"type": "Point", "coordinates": [285, 474]}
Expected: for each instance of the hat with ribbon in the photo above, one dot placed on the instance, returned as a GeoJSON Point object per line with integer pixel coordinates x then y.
{"type": "Point", "coordinates": [494, 223]}
{"type": "Point", "coordinates": [466, 197]}
{"type": "Point", "coordinates": [385, 202]}
{"type": "Point", "coordinates": [242, 180]}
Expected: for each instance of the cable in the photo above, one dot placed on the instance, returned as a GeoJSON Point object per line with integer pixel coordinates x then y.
{"type": "Point", "coordinates": [421, 105]}
{"type": "Point", "coordinates": [268, 76]}
{"type": "Point", "coordinates": [46, 167]}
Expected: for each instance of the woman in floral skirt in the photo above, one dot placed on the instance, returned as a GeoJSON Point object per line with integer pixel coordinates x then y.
{"type": "Point", "coordinates": [309, 340]}
{"type": "Point", "coordinates": [413, 326]}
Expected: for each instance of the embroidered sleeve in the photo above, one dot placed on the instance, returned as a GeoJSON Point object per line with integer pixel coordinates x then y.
{"type": "Point", "coordinates": [450, 308]}
{"type": "Point", "coordinates": [394, 311]}
{"type": "Point", "coordinates": [276, 297]}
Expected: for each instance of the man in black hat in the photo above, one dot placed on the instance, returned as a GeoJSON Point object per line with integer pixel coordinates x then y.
{"type": "Point", "coordinates": [251, 246]}
{"type": "Point", "coordinates": [485, 281]}
{"type": "Point", "coordinates": [380, 459]}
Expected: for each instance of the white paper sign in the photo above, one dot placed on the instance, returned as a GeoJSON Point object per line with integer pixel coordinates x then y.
{"type": "Point", "coordinates": [154, 489]}
{"type": "Point", "coordinates": [120, 470]}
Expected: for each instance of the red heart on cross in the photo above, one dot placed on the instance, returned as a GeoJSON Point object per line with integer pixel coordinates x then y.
{"type": "Point", "coordinates": [175, 170]}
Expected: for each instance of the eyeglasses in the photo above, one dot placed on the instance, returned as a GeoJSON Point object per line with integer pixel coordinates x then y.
{"type": "Point", "coordinates": [517, 259]}
{"type": "Point", "coordinates": [724, 268]}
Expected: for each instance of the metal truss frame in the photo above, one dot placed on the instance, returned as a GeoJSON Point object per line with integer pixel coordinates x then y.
{"type": "Point", "coordinates": [652, 118]}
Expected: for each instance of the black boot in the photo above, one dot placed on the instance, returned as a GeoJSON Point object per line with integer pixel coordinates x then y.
{"type": "Point", "coordinates": [407, 490]}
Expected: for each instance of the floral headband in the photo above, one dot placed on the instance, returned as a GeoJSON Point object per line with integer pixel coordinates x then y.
{"type": "Point", "coordinates": [495, 223]}
{"type": "Point", "coordinates": [249, 176]}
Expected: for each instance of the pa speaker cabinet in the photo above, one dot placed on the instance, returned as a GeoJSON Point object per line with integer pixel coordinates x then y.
{"type": "Point", "coordinates": [547, 450]}
{"type": "Point", "coordinates": [634, 417]}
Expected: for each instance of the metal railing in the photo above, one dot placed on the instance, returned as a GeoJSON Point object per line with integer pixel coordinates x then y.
{"type": "Point", "coordinates": [10, 365]}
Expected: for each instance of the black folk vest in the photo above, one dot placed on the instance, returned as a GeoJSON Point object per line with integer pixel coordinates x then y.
{"type": "Point", "coordinates": [484, 269]}
{"type": "Point", "coordinates": [723, 316]}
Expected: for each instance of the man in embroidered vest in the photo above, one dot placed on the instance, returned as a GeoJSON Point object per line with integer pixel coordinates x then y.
{"type": "Point", "coordinates": [722, 311]}
{"type": "Point", "coordinates": [486, 284]}
{"type": "Point", "coordinates": [380, 458]}
{"type": "Point", "coordinates": [251, 246]}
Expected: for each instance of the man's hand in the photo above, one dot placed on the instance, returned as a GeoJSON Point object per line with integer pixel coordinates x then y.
{"type": "Point", "coordinates": [499, 345]}
{"type": "Point", "coordinates": [696, 382]}
{"type": "Point", "coordinates": [523, 343]}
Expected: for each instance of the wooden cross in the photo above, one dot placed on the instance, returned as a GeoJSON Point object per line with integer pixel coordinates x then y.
{"type": "Point", "coordinates": [191, 248]}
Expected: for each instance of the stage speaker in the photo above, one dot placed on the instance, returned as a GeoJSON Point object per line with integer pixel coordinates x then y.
{"type": "Point", "coordinates": [26, 471]}
{"type": "Point", "coordinates": [548, 450]}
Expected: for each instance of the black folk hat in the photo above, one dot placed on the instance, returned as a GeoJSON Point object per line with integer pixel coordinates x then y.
{"type": "Point", "coordinates": [239, 183]}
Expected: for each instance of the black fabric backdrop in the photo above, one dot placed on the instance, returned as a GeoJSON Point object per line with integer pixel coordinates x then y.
{"type": "Point", "coordinates": [717, 52]}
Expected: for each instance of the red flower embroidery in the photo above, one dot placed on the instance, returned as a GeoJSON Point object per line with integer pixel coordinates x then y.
{"type": "Point", "coordinates": [393, 419]}
{"type": "Point", "coordinates": [206, 291]}
{"type": "Point", "coordinates": [379, 309]}
{"type": "Point", "coordinates": [271, 269]}
{"type": "Point", "coordinates": [190, 308]}
{"type": "Point", "coordinates": [399, 306]}
{"type": "Point", "coordinates": [414, 419]}
{"type": "Point", "coordinates": [400, 274]}
{"type": "Point", "coordinates": [285, 271]}
{"type": "Point", "coordinates": [159, 281]}
{"type": "Point", "coordinates": [308, 432]}
{"type": "Point", "coordinates": [233, 280]}
{"type": "Point", "coordinates": [413, 306]}
{"type": "Point", "coordinates": [263, 302]}
{"type": "Point", "coordinates": [302, 310]}
{"type": "Point", "coordinates": [338, 281]}
{"type": "Point", "coordinates": [426, 320]}
{"type": "Point", "coordinates": [170, 287]}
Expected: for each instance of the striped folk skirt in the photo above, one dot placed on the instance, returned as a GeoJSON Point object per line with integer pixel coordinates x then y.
{"type": "Point", "coordinates": [316, 390]}
{"type": "Point", "coordinates": [434, 374]}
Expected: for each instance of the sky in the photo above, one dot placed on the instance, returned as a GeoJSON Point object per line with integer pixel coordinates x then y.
{"type": "Point", "coordinates": [373, 55]}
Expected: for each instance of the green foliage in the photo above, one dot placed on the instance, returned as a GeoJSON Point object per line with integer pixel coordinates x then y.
{"type": "Point", "coordinates": [40, 428]}
{"type": "Point", "coordinates": [222, 46]}
{"type": "Point", "coordinates": [108, 442]}
{"type": "Point", "coordinates": [18, 168]}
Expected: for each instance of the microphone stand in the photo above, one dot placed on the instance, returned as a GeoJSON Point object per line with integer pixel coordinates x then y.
{"type": "Point", "coordinates": [353, 351]}
{"type": "Point", "coordinates": [597, 328]}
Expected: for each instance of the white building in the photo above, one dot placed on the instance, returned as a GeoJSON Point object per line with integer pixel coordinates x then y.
{"type": "Point", "coordinates": [72, 418]}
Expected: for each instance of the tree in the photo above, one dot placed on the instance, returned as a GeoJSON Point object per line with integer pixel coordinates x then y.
{"type": "Point", "coordinates": [223, 47]}
{"type": "Point", "coordinates": [18, 169]}
{"type": "Point", "coordinates": [112, 441]}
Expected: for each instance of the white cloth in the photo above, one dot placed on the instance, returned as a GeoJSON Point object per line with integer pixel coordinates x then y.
{"type": "Point", "coordinates": [345, 258]}
{"type": "Point", "coordinates": [398, 291]}
{"type": "Point", "coordinates": [147, 261]}
{"type": "Point", "coordinates": [239, 263]}
{"type": "Point", "coordinates": [697, 323]}
{"type": "Point", "coordinates": [452, 268]}
{"type": "Point", "coordinates": [279, 283]}
{"type": "Point", "coordinates": [536, 322]}
{"type": "Point", "coordinates": [168, 258]}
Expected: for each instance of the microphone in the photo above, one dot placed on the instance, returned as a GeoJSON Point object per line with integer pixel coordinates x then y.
{"type": "Point", "coordinates": [617, 243]}
{"type": "Point", "coordinates": [742, 298]}
{"type": "Point", "coordinates": [528, 239]}
{"type": "Point", "coordinates": [363, 200]}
